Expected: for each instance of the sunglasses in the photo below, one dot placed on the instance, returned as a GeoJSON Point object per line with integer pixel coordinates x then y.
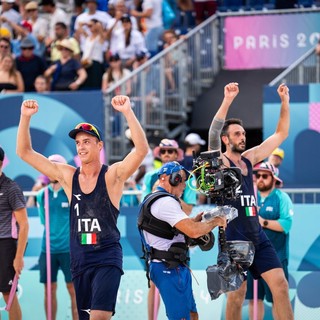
{"type": "Point", "coordinates": [4, 47]}
{"type": "Point", "coordinates": [164, 151]}
{"type": "Point", "coordinates": [27, 48]}
{"type": "Point", "coordinates": [264, 176]}
{"type": "Point", "coordinates": [88, 127]}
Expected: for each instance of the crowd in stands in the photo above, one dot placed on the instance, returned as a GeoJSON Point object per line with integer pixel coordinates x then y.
{"type": "Point", "coordinates": [90, 44]}
{"type": "Point", "coordinates": [82, 44]}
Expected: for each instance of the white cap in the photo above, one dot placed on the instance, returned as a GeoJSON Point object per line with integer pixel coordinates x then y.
{"type": "Point", "coordinates": [194, 138]}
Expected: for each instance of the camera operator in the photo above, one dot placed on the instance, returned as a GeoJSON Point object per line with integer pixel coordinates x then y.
{"type": "Point", "coordinates": [246, 226]}
{"type": "Point", "coordinates": [164, 229]}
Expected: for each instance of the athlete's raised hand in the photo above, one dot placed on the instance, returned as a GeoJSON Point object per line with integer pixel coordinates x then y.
{"type": "Point", "coordinates": [231, 90]}
{"type": "Point", "coordinates": [121, 103]}
{"type": "Point", "coordinates": [29, 107]}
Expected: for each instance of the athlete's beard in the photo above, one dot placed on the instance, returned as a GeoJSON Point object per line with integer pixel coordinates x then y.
{"type": "Point", "coordinates": [237, 148]}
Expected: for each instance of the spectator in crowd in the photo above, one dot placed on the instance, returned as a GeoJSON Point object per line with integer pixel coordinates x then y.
{"type": "Point", "coordinates": [10, 78]}
{"type": "Point", "coordinates": [171, 59]}
{"type": "Point", "coordinates": [152, 13]}
{"type": "Point", "coordinates": [29, 64]}
{"type": "Point", "coordinates": [275, 217]}
{"type": "Point", "coordinates": [54, 15]}
{"type": "Point", "coordinates": [276, 157]}
{"type": "Point", "coordinates": [204, 9]}
{"type": "Point", "coordinates": [39, 24]}
{"type": "Point", "coordinates": [41, 84]}
{"type": "Point", "coordinates": [168, 151]}
{"type": "Point", "coordinates": [94, 191]}
{"type": "Point", "coordinates": [193, 144]}
{"type": "Point", "coordinates": [59, 241]}
{"type": "Point", "coordinates": [67, 73]}
{"type": "Point", "coordinates": [114, 73]}
{"type": "Point", "coordinates": [61, 32]}
{"type": "Point", "coordinates": [14, 228]}
{"type": "Point", "coordinates": [266, 263]}
{"type": "Point", "coordinates": [93, 50]}
{"type": "Point", "coordinates": [115, 24]}
{"type": "Point", "coordinates": [127, 42]}
{"type": "Point", "coordinates": [23, 30]}
{"type": "Point", "coordinates": [5, 47]}
{"type": "Point", "coordinates": [167, 255]}
{"type": "Point", "coordinates": [84, 19]}
{"type": "Point", "coordinates": [9, 14]}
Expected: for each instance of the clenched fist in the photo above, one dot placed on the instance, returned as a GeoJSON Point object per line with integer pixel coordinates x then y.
{"type": "Point", "coordinates": [29, 107]}
{"type": "Point", "coordinates": [121, 103]}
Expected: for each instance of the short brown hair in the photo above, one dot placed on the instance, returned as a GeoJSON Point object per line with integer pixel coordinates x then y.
{"type": "Point", "coordinates": [229, 122]}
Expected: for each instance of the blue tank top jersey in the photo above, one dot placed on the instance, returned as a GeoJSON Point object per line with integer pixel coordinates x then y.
{"type": "Point", "coordinates": [94, 235]}
{"type": "Point", "coordinates": [246, 226]}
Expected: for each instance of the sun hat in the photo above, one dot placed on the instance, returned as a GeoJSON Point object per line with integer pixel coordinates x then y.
{"type": "Point", "coordinates": [168, 144]}
{"type": "Point", "coordinates": [267, 166]}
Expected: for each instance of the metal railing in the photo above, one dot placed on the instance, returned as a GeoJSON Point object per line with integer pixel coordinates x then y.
{"type": "Point", "coordinates": [162, 89]}
{"type": "Point", "coordinates": [303, 71]}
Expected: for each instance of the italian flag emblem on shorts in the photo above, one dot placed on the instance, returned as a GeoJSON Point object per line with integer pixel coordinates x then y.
{"type": "Point", "coordinates": [88, 238]}
{"type": "Point", "coordinates": [251, 211]}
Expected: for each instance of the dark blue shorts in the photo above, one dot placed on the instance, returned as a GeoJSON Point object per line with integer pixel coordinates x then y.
{"type": "Point", "coordinates": [8, 248]}
{"type": "Point", "coordinates": [58, 261]}
{"type": "Point", "coordinates": [263, 289]}
{"type": "Point", "coordinates": [96, 289]}
{"type": "Point", "coordinates": [175, 287]}
{"type": "Point", "coordinates": [265, 259]}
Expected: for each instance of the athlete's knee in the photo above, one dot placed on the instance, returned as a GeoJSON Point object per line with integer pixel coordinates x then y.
{"type": "Point", "coordinates": [280, 288]}
{"type": "Point", "coordinates": [239, 295]}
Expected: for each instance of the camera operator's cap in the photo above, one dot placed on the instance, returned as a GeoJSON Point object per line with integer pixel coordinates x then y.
{"type": "Point", "coordinates": [57, 158]}
{"type": "Point", "coordinates": [171, 167]}
{"type": "Point", "coordinates": [87, 128]}
{"type": "Point", "coordinates": [1, 154]}
{"type": "Point", "coordinates": [168, 144]}
{"type": "Point", "coordinates": [194, 138]}
{"type": "Point", "coordinates": [278, 152]}
{"type": "Point", "coordinates": [267, 166]}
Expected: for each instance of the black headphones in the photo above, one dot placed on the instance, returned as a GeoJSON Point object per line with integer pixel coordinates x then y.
{"type": "Point", "coordinates": [175, 177]}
